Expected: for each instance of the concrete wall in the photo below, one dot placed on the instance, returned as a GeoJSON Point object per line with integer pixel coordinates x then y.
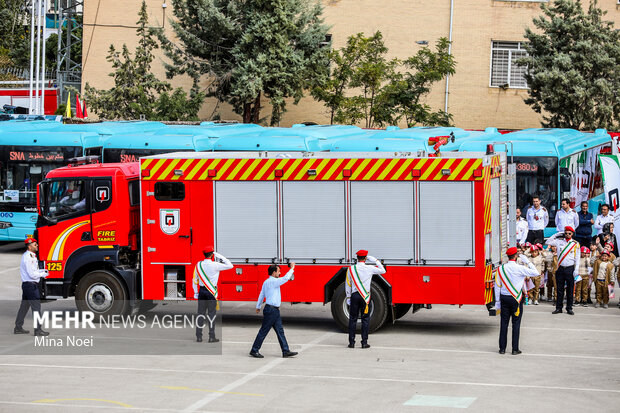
{"type": "Point", "coordinates": [476, 23]}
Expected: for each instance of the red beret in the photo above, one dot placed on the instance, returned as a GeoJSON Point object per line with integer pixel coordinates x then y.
{"type": "Point", "coordinates": [207, 249]}
{"type": "Point", "coordinates": [362, 253]}
{"type": "Point", "coordinates": [29, 241]}
{"type": "Point", "coordinates": [512, 251]}
{"type": "Point", "coordinates": [605, 252]}
{"type": "Point", "coordinates": [585, 250]}
{"type": "Point", "coordinates": [567, 228]}
{"type": "Point", "coordinates": [611, 245]}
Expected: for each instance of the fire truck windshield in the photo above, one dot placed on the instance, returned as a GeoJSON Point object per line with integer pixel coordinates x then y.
{"type": "Point", "coordinates": [63, 199]}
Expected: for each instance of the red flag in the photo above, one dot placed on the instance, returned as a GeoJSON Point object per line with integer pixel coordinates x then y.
{"type": "Point", "coordinates": [78, 108]}
{"type": "Point", "coordinates": [84, 113]}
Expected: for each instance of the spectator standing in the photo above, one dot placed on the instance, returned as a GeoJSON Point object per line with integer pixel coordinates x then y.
{"type": "Point", "coordinates": [603, 273]}
{"type": "Point", "coordinates": [537, 220]}
{"type": "Point", "coordinates": [522, 228]}
{"type": "Point", "coordinates": [603, 219]}
{"type": "Point", "coordinates": [585, 272]}
{"type": "Point", "coordinates": [537, 259]}
{"type": "Point", "coordinates": [583, 233]}
{"type": "Point", "coordinates": [566, 216]}
{"type": "Point", "coordinates": [607, 237]}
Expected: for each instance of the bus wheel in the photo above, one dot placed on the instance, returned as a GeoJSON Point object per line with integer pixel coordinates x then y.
{"type": "Point", "coordinates": [401, 310]}
{"type": "Point", "coordinates": [101, 292]}
{"type": "Point", "coordinates": [377, 308]}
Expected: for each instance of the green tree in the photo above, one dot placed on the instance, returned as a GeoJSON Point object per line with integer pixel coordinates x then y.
{"type": "Point", "coordinates": [15, 32]}
{"type": "Point", "coordinates": [136, 91]}
{"type": "Point", "coordinates": [365, 85]}
{"type": "Point", "coordinates": [572, 67]}
{"type": "Point", "coordinates": [249, 49]}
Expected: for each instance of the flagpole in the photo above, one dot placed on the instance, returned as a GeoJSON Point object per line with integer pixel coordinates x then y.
{"type": "Point", "coordinates": [43, 58]}
{"type": "Point", "coordinates": [30, 102]}
{"type": "Point", "coordinates": [38, 74]}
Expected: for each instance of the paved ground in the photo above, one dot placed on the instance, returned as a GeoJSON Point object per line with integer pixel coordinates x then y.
{"type": "Point", "coordinates": [438, 360]}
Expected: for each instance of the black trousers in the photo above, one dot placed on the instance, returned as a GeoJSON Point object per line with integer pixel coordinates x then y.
{"type": "Point", "coordinates": [535, 235]}
{"type": "Point", "coordinates": [271, 319]}
{"type": "Point", "coordinates": [31, 298]}
{"type": "Point", "coordinates": [358, 305]}
{"type": "Point", "coordinates": [206, 302]}
{"type": "Point", "coordinates": [565, 275]}
{"type": "Point", "coordinates": [509, 308]}
{"type": "Point", "coordinates": [583, 241]}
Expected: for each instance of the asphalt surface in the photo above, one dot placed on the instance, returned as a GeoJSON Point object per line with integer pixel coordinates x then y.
{"type": "Point", "coordinates": [438, 360]}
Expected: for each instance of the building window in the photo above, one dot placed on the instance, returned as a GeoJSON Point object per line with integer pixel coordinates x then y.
{"type": "Point", "coordinates": [504, 70]}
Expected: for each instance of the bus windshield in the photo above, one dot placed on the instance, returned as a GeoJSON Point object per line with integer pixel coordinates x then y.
{"type": "Point", "coordinates": [23, 168]}
{"type": "Point", "coordinates": [537, 176]}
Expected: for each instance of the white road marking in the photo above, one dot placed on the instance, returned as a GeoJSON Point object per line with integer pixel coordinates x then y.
{"type": "Point", "coordinates": [306, 377]}
{"type": "Point", "coordinates": [249, 376]}
{"type": "Point", "coordinates": [575, 356]}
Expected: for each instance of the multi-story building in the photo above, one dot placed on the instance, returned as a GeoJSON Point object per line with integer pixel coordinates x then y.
{"type": "Point", "coordinates": [487, 90]}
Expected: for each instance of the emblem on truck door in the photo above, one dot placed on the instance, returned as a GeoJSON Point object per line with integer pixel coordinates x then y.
{"type": "Point", "coordinates": [103, 194]}
{"type": "Point", "coordinates": [169, 220]}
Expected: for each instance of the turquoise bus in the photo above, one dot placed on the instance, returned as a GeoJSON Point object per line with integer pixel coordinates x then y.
{"type": "Point", "coordinates": [553, 164]}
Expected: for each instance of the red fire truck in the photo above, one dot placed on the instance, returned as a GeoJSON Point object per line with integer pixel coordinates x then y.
{"type": "Point", "coordinates": [119, 235]}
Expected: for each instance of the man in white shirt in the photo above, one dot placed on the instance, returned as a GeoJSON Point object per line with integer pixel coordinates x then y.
{"type": "Point", "coordinates": [569, 256]}
{"type": "Point", "coordinates": [509, 296]}
{"type": "Point", "coordinates": [566, 216]}
{"type": "Point", "coordinates": [537, 220]}
{"type": "Point", "coordinates": [522, 228]}
{"type": "Point", "coordinates": [206, 276]}
{"type": "Point", "coordinates": [357, 288]}
{"type": "Point", "coordinates": [603, 219]}
{"type": "Point", "coordinates": [31, 298]}
{"type": "Point", "coordinates": [270, 292]}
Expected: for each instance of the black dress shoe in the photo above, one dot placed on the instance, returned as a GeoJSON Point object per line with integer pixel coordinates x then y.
{"type": "Point", "coordinates": [556, 312]}
{"type": "Point", "coordinates": [351, 346]}
{"type": "Point", "coordinates": [256, 354]}
{"type": "Point", "coordinates": [502, 351]}
{"type": "Point", "coordinates": [570, 312]}
{"type": "Point", "coordinates": [213, 340]}
{"type": "Point", "coordinates": [20, 330]}
{"type": "Point", "coordinates": [199, 339]}
{"type": "Point", "coordinates": [515, 352]}
{"type": "Point", "coordinates": [365, 345]}
{"type": "Point", "coordinates": [41, 333]}
{"type": "Point", "coordinates": [289, 354]}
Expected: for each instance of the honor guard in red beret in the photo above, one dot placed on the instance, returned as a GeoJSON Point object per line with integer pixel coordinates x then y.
{"type": "Point", "coordinates": [358, 289]}
{"type": "Point", "coordinates": [206, 276]}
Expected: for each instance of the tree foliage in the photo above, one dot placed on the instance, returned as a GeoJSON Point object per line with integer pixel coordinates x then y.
{"type": "Point", "coordinates": [51, 44]}
{"type": "Point", "coordinates": [14, 33]}
{"type": "Point", "coordinates": [249, 49]}
{"type": "Point", "coordinates": [573, 60]}
{"type": "Point", "coordinates": [365, 86]}
{"type": "Point", "coordinates": [137, 92]}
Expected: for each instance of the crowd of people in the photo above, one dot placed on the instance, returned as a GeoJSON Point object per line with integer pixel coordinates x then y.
{"type": "Point", "coordinates": [571, 261]}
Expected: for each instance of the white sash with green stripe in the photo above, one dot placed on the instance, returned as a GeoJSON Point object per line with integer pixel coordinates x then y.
{"type": "Point", "coordinates": [567, 250]}
{"type": "Point", "coordinates": [200, 272]}
{"type": "Point", "coordinates": [358, 284]}
{"type": "Point", "coordinates": [505, 280]}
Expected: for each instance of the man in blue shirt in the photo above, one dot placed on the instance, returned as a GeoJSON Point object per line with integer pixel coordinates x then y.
{"type": "Point", "coordinates": [271, 314]}
{"type": "Point", "coordinates": [584, 230]}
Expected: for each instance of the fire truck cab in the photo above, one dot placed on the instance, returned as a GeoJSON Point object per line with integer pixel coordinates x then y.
{"type": "Point", "coordinates": [135, 232]}
{"type": "Point", "coordinates": [88, 228]}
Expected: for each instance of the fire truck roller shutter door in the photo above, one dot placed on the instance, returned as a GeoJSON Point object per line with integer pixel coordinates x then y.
{"type": "Point", "coordinates": [382, 220]}
{"type": "Point", "coordinates": [246, 221]}
{"type": "Point", "coordinates": [446, 222]}
{"type": "Point", "coordinates": [314, 221]}
{"type": "Point", "coordinates": [377, 308]}
{"type": "Point", "coordinates": [496, 240]}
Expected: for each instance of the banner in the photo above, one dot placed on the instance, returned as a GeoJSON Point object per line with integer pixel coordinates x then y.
{"type": "Point", "coordinates": [610, 170]}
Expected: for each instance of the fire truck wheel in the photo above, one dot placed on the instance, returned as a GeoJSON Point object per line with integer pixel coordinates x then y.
{"type": "Point", "coordinates": [401, 310]}
{"type": "Point", "coordinates": [101, 292]}
{"type": "Point", "coordinates": [378, 308]}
